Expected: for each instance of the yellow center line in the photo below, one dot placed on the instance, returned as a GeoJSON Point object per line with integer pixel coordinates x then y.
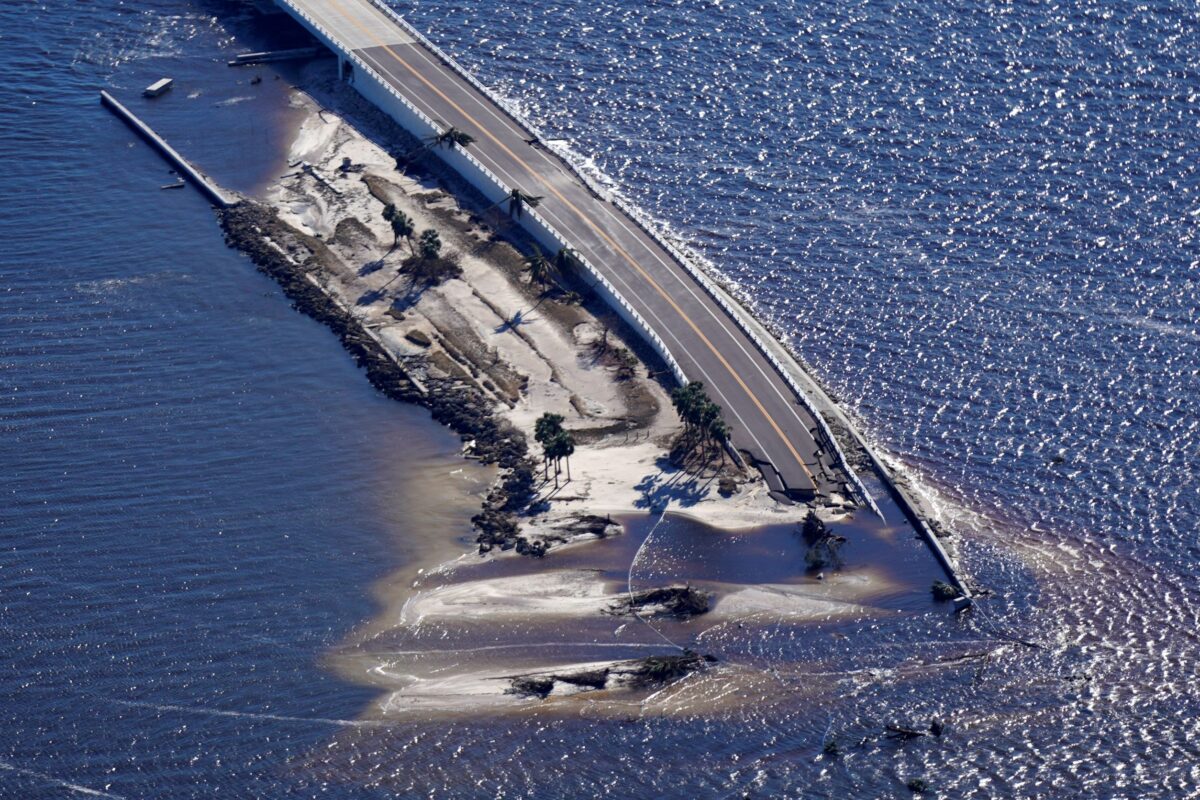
{"type": "Point", "coordinates": [598, 230]}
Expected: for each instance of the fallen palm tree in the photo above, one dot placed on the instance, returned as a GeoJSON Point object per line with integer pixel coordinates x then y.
{"type": "Point", "coordinates": [682, 602]}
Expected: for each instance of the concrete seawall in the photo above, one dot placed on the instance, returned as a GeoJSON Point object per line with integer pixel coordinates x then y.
{"type": "Point", "coordinates": [218, 196]}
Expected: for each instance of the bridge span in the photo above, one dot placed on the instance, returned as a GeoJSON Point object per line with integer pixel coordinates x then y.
{"type": "Point", "coordinates": [696, 327]}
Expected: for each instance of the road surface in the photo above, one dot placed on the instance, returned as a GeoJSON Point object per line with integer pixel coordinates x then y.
{"type": "Point", "coordinates": [768, 421]}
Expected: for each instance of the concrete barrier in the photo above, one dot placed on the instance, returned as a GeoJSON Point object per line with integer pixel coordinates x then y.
{"type": "Point", "coordinates": [205, 184]}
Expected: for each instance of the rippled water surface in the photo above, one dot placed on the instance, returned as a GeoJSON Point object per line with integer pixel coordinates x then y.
{"type": "Point", "coordinates": [978, 222]}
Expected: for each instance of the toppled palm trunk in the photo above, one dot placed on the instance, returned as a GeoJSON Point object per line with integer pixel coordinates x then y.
{"type": "Point", "coordinates": [593, 524]}
{"type": "Point", "coordinates": [654, 671]}
{"type": "Point", "coordinates": [682, 602]}
{"type": "Point", "coordinates": [903, 732]}
{"type": "Point", "coordinates": [906, 732]}
{"type": "Point", "coordinates": [541, 686]}
{"type": "Point", "coordinates": [651, 672]}
{"type": "Point", "coordinates": [499, 529]}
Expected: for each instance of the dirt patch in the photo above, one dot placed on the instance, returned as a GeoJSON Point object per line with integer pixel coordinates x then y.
{"type": "Point", "coordinates": [351, 232]}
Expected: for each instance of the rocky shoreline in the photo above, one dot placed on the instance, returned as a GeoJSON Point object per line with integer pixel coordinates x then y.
{"type": "Point", "coordinates": [294, 259]}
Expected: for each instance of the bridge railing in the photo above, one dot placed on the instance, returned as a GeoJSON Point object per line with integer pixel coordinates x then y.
{"type": "Point", "coordinates": [689, 264]}
{"type": "Point", "coordinates": [613, 295]}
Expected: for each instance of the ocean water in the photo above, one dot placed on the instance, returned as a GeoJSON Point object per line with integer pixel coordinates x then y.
{"type": "Point", "coordinates": [193, 473]}
{"type": "Point", "coordinates": [978, 224]}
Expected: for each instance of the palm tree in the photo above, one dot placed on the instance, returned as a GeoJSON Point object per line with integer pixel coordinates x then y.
{"type": "Point", "coordinates": [719, 432]}
{"type": "Point", "coordinates": [452, 135]}
{"type": "Point", "coordinates": [607, 323]}
{"type": "Point", "coordinates": [448, 135]}
{"type": "Point", "coordinates": [561, 446]}
{"type": "Point", "coordinates": [544, 430]}
{"type": "Point", "coordinates": [688, 400]}
{"type": "Point", "coordinates": [539, 268]}
{"type": "Point", "coordinates": [518, 200]}
{"type": "Point", "coordinates": [401, 226]}
{"type": "Point", "coordinates": [430, 244]}
{"type": "Point", "coordinates": [701, 416]}
{"type": "Point", "coordinates": [565, 259]}
{"type": "Point", "coordinates": [706, 415]}
{"type": "Point", "coordinates": [566, 446]}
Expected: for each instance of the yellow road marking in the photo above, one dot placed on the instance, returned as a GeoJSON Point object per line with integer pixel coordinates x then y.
{"type": "Point", "coordinates": [599, 231]}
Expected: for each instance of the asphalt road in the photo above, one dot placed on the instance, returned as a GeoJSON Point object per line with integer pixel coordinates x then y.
{"type": "Point", "coordinates": [767, 419]}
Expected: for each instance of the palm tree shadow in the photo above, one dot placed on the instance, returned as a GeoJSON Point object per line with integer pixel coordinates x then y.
{"type": "Point", "coordinates": [371, 267]}
{"type": "Point", "coordinates": [670, 483]}
{"type": "Point", "coordinates": [370, 297]}
{"type": "Point", "coordinates": [409, 299]}
{"type": "Point", "coordinates": [515, 321]}
{"type": "Point", "coordinates": [411, 296]}
{"type": "Point", "coordinates": [544, 492]}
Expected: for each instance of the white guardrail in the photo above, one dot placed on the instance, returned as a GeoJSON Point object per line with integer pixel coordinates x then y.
{"type": "Point", "coordinates": [737, 313]}
{"type": "Point", "coordinates": [654, 338]}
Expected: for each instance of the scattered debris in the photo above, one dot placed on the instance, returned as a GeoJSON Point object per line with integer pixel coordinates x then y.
{"type": "Point", "coordinates": [592, 679]}
{"type": "Point", "coordinates": [944, 591]}
{"type": "Point", "coordinates": [541, 686]}
{"type": "Point", "coordinates": [823, 545]}
{"type": "Point", "coordinates": [526, 686]}
{"type": "Point", "coordinates": [644, 673]}
{"type": "Point", "coordinates": [590, 523]}
{"type": "Point", "coordinates": [419, 338]}
{"type": "Point", "coordinates": [658, 670]}
{"type": "Point", "coordinates": [902, 732]}
{"type": "Point", "coordinates": [682, 602]}
{"type": "Point", "coordinates": [159, 87]}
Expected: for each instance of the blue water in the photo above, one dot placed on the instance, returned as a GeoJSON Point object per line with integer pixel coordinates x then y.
{"type": "Point", "coordinates": [199, 486]}
{"type": "Point", "coordinates": [977, 222]}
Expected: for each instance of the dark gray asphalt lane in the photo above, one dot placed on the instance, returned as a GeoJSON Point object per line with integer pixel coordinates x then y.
{"type": "Point", "coordinates": [767, 419]}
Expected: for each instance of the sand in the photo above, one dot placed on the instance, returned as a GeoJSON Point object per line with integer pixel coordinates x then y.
{"type": "Point", "coordinates": [529, 355]}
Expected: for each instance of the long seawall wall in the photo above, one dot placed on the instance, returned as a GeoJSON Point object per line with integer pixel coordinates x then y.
{"type": "Point", "coordinates": [214, 193]}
